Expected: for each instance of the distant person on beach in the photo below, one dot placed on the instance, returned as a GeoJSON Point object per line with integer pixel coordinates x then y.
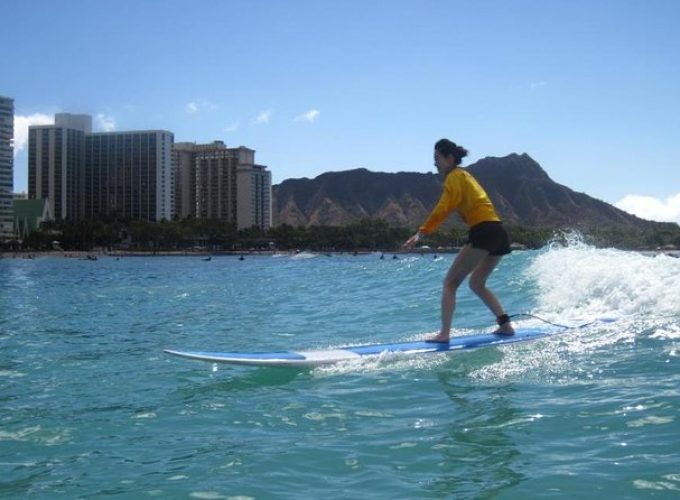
{"type": "Point", "coordinates": [487, 242]}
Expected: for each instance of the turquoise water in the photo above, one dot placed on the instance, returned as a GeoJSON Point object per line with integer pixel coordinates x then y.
{"type": "Point", "coordinates": [91, 407]}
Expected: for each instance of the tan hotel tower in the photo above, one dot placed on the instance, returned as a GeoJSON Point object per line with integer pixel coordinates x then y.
{"type": "Point", "coordinates": [216, 182]}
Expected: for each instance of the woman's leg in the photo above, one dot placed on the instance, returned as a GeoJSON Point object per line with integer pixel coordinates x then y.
{"type": "Point", "coordinates": [466, 260]}
{"type": "Point", "coordinates": [478, 285]}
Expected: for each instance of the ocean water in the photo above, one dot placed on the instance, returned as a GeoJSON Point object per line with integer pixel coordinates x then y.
{"type": "Point", "coordinates": [90, 407]}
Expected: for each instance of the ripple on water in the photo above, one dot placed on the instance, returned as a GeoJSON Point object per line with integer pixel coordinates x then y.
{"type": "Point", "coordinates": [86, 388]}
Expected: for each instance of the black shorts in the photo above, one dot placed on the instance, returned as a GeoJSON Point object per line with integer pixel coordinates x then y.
{"type": "Point", "coordinates": [490, 236]}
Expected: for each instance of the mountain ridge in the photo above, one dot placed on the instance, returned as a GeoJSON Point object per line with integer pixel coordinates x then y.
{"type": "Point", "coordinates": [521, 190]}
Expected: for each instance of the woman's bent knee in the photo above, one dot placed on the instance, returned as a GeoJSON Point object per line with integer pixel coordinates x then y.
{"type": "Point", "coordinates": [451, 284]}
{"type": "Point", "coordinates": [477, 286]}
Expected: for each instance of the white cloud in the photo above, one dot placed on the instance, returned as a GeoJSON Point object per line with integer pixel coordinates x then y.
{"type": "Point", "coordinates": [309, 116]}
{"type": "Point", "coordinates": [232, 128]}
{"type": "Point", "coordinates": [21, 124]}
{"type": "Point", "coordinates": [263, 117]}
{"type": "Point", "coordinates": [200, 105]}
{"type": "Point", "coordinates": [105, 123]}
{"type": "Point", "coordinates": [650, 208]}
{"type": "Point", "coordinates": [537, 85]}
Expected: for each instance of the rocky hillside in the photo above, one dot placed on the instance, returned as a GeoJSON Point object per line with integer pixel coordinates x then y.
{"type": "Point", "coordinates": [521, 190]}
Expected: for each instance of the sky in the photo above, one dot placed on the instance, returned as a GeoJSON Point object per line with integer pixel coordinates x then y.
{"type": "Point", "coordinates": [588, 88]}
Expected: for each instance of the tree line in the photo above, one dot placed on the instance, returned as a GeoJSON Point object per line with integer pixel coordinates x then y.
{"type": "Point", "coordinates": [367, 234]}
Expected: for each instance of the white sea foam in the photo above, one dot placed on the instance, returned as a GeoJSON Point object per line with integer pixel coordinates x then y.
{"type": "Point", "coordinates": [38, 434]}
{"type": "Point", "coordinates": [578, 280]}
{"type": "Point", "coordinates": [304, 256]}
{"type": "Point", "coordinates": [386, 361]}
{"type": "Point", "coordinates": [579, 283]}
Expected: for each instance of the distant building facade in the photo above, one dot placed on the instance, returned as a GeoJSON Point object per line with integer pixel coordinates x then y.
{"type": "Point", "coordinates": [216, 182]}
{"type": "Point", "coordinates": [56, 163]}
{"type": "Point", "coordinates": [184, 173]}
{"type": "Point", "coordinates": [129, 175]}
{"type": "Point", "coordinates": [143, 175]}
{"type": "Point", "coordinates": [88, 175]}
{"type": "Point", "coordinates": [6, 167]}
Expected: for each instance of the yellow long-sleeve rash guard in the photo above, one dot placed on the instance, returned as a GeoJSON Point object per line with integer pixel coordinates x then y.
{"type": "Point", "coordinates": [461, 191]}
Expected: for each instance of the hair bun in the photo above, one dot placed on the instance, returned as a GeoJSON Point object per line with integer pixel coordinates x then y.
{"type": "Point", "coordinates": [461, 152]}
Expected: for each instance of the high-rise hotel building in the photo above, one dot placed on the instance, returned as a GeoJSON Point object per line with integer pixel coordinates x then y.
{"type": "Point", "coordinates": [6, 167]}
{"type": "Point", "coordinates": [88, 175]}
{"type": "Point", "coordinates": [129, 174]}
{"type": "Point", "coordinates": [216, 182]}
{"type": "Point", "coordinates": [56, 160]}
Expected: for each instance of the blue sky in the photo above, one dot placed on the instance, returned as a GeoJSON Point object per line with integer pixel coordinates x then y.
{"type": "Point", "coordinates": [589, 89]}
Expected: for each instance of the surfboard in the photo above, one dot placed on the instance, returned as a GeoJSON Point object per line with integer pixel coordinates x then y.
{"type": "Point", "coordinates": [329, 356]}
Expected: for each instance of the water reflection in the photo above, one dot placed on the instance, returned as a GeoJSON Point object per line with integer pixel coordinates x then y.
{"type": "Point", "coordinates": [479, 456]}
{"type": "Point", "coordinates": [243, 379]}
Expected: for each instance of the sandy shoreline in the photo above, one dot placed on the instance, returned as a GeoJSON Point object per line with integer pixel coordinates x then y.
{"type": "Point", "coordinates": [198, 254]}
{"type": "Point", "coordinates": [175, 253]}
{"type": "Point", "coordinates": [94, 255]}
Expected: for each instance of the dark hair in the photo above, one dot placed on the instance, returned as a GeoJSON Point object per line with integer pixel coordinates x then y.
{"type": "Point", "coordinates": [446, 148]}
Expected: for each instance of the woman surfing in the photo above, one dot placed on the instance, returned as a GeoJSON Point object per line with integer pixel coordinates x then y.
{"type": "Point", "coordinates": [487, 243]}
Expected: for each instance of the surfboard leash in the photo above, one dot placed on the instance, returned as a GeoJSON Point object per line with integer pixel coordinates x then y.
{"type": "Point", "coordinates": [527, 315]}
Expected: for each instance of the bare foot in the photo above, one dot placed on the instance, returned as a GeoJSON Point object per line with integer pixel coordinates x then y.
{"type": "Point", "coordinates": [438, 338]}
{"type": "Point", "coordinates": [505, 329]}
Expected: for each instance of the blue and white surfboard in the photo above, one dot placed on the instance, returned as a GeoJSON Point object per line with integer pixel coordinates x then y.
{"type": "Point", "coordinates": [328, 356]}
